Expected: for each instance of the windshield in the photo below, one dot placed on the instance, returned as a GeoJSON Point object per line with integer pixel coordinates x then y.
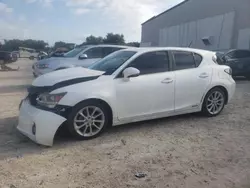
{"type": "Point", "coordinates": [112, 62]}
{"type": "Point", "coordinates": [74, 52]}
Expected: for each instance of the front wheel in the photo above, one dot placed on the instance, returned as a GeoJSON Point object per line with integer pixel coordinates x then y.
{"type": "Point", "coordinates": [214, 102]}
{"type": "Point", "coordinates": [88, 120]}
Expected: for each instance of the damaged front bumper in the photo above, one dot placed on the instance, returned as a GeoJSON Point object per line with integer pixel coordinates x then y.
{"type": "Point", "coordinates": [37, 124]}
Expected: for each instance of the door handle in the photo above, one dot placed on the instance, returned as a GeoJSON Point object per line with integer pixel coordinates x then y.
{"type": "Point", "coordinates": [167, 81]}
{"type": "Point", "coordinates": [204, 75]}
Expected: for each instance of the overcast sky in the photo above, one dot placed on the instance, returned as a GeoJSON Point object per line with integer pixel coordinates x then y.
{"type": "Point", "coordinates": [73, 20]}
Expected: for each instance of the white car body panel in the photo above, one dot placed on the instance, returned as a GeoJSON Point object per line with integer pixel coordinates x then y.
{"type": "Point", "coordinates": [135, 99]}
{"type": "Point", "coordinates": [47, 123]}
{"type": "Point", "coordinates": [139, 90]}
{"type": "Point", "coordinates": [194, 86]}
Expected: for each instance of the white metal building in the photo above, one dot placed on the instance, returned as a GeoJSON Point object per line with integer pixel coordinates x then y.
{"type": "Point", "coordinates": [205, 24]}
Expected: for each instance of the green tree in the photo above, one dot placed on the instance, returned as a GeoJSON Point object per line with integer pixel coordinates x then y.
{"type": "Point", "coordinates": [134, 44]}
{"type": "Point", "coordinates": [114, 39]}
{"type": "Point", "coordinates": [11, 45]}
{"type": "Point", "coordinates": [94, 40]}
{"type": "Point", "coordinates": [61, 44]}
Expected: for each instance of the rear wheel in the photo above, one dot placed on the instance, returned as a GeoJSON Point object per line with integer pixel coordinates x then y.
{"type": "Point", "coordinates": [88, 120]}
{"type": "Point", "coordinates": [214, 102]}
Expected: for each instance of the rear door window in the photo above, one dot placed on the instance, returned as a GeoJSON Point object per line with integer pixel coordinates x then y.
{"type": "Point", "coordinates": [240, 54]}
{"type": "Point", "coordinates": [183, 60]}
{"type": "Point", "coordinates": [95, 52]}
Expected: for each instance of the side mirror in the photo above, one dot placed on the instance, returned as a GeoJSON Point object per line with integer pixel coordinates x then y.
{"type": "Point", "coordinates": [131, 72]}
{"type": "Point", "coordinates": [83, 56]}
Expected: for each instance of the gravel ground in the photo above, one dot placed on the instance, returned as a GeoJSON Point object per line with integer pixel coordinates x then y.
{"type": "Point", "coordinates": [187, 151]}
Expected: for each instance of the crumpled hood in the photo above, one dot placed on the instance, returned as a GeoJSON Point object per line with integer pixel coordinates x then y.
{"type": "Point", "coordinates": [55, 77]}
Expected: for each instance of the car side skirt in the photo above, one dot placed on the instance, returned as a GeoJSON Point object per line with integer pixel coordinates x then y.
{"type": "Point", "coordinates": [157, 115]}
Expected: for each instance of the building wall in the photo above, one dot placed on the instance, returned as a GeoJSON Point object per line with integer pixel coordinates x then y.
{"type": "Point", "coordinates": [244, 39]}
{"type": "Point", "coordinates": [191, 33]}
{"type": "Point", "coordinates": [225, 22]}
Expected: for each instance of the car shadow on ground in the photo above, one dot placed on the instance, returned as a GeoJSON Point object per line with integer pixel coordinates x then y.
{"type": "Point", "coordinates": [14, 145]}
{"type": "Point", "coordinates": [13, 89]}
{"type": "Point", "coordinates": [63, 138]}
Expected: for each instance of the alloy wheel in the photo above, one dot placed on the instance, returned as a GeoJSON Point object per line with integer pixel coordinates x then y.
{"type": "Point", "coordinates": [215, 102]}
{"type": "Point", "coordinates": [89, 121]}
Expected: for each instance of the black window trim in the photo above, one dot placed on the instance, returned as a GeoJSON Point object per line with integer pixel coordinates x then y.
{"type": "Point", "coordinates": [173, 59]}
{"type": "Point", "coordinates": [197, 65]}
{"type": "Point", "coordinates": [119, 75]}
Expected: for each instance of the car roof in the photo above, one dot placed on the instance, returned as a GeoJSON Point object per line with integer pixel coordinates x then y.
{"type": "Point", "coordinates": [149, 49]}
{"type": "Point", "coordinates": [106, 45]}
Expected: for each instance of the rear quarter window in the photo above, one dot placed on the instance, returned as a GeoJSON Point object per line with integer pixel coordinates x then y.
{"type": "Point", "coordinates": [184, 60]}
{"type": "Point", "coordinates": [198, 59]}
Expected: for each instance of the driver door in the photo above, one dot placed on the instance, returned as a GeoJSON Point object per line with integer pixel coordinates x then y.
{"type": "Point", "coordinates": [151, 93]}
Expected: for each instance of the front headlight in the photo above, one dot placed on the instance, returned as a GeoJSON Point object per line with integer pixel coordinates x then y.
{"type": "Point", "coordinates": [49, 100]}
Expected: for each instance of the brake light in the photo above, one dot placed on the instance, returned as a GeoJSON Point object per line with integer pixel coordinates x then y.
{"type": "Point", "coordinates": [228, 71]}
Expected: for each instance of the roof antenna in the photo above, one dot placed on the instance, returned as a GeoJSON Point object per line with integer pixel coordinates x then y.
{"type": "Point", "coordinates": [190, 44]}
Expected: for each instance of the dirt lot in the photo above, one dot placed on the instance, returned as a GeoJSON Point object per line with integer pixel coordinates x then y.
{"type": "Point", "coordinates": [186, 151]}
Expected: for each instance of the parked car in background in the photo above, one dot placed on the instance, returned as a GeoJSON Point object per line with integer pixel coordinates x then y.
{"type": "Point", "coordinates": [59, 52]}
{"type": "Point", "coordinates": [42, 55]}
{"type": "Point", "coordinates": [14, 57]}
{"type": "Point", "coordinates": [83, 56]}
{"type": "Point", "coordinates": [17, 53]}
{"type": "Point", "coordinates": [127, 86]}
{"type": "Point", "coordinates": [27, 53]}
{"type": "Point", "coordinates": [238, 60]}
{"type": "Point", "coordinates": [6, 57]}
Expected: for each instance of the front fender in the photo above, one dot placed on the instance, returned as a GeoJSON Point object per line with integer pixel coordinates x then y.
{"type": "Point", "coordinates": [73, 98]}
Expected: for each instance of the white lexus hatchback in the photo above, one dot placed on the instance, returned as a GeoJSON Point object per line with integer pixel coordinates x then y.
{"type": "Point", "coordinates": [127, 86]}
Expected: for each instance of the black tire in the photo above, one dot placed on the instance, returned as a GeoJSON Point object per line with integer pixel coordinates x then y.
{"type": "Point", "coordinates": [78, 108]}
{"type": "Point", "coordinates": [205, 110]}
